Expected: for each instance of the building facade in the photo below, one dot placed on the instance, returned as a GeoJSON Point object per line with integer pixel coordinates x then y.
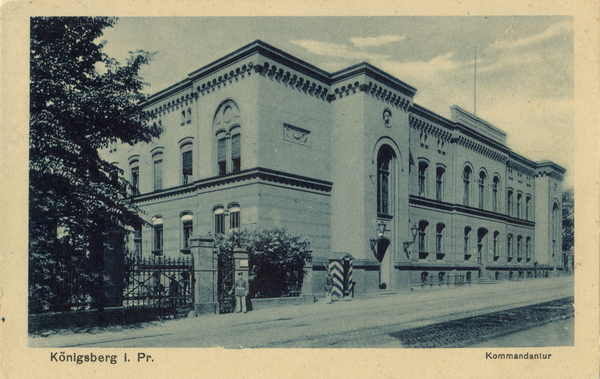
{"type": "Point", "coordinates": [261, 139]}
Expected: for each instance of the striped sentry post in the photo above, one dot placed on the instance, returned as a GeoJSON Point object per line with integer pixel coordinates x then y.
{"type": "Point", "coordinates": [337, 272]}
{"type": "Point", "coordinates": [348, 279]}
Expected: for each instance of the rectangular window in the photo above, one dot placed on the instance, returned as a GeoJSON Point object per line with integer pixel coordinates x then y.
{"type": "Point", "coordinates": [235, 153]}
{"type": "Point", "coordinates": [422, 247]}
{"type": "Point", "coordinates": [222, 156]}
{"type": "Point", "coordinates": [495, 246]}
{"type": "Point", "coordinates": [519, 247]}
{"type": "Point", "coordinates": [158, 183]}
{"type": "Point", "coordinates": [466, 247]}
{"type": "Point", "coordinates": [135, 180]}
{"type": "Point", "coordinates": [481, 195]}
{"type": "Point", "coordinates": [186, 166]}
{"type": "Point", "coordinates": [527, 247]}
{"type": "Point", "coordinates": [219, 223]}
{"type": "Point", "coordinates": [158, 238]}
{"type": "Point", "coordinates": [188, 231]}
{"type": "Point", "coordinates": [137, 240]}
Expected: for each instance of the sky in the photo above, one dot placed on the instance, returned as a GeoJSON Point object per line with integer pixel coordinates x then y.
{"type": "Point", "coordinates": [525, 64]}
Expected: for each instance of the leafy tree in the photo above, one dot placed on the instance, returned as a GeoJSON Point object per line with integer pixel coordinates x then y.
{"type": "Point", "coordinates": [80, 101]}
{"type": "Point", "coordinates": [276, 258]}
{"type": "Point", "coordinates": [568, 220]}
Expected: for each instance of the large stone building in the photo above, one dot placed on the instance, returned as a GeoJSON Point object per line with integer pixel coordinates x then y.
{"type": "Point", "coordinates": [261, 139]}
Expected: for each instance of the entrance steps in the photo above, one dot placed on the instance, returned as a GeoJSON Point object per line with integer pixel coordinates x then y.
{"type": "Point", "coordinates": [486, 281]}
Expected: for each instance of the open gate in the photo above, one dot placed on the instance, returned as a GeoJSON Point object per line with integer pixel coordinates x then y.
{"type": "Point", "coordinates": [225, 283]}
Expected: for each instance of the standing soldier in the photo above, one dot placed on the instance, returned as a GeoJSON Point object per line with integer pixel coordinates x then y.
{"type": "Point", "coordinates": [241, 291]}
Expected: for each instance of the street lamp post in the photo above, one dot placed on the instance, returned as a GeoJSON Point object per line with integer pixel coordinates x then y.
{"type": "Point", "coordinates": [414, 230]}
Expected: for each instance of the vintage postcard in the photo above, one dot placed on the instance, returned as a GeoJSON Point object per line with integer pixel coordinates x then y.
{"type": "Point", "coordinates": [257, 189]}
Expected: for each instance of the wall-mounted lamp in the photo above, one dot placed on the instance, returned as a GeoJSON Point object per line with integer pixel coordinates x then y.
{"type": "Point", "coordinates": [414, 230]}
{"type": "Point", "coordinates": [380, 232]}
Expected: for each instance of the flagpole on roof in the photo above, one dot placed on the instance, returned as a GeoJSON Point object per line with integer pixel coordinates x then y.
{"type": "Point", "coordinates": [475, 83]}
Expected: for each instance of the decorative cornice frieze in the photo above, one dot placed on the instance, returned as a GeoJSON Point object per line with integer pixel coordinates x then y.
{"type": "Point", "coordinates": [380, 93]}
{"type": "Point", "coordinates": [292, 81]}
{"type": "Point", "coordinates": [552, 174]}
{"type": "Point", "coordinates": [234, 75]}
{"type": "Point", "coordinates": [171, 106]}
{"type": "Point", "coordinates": [478, 148]}
{"type": "Point", "coordinates": [520, 168]}
{"type": "Point", "coordinates": [429, 128]}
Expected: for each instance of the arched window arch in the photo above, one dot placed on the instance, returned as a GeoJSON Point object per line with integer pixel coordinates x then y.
{"type": "Point", "coordinates": [439, 240]}
{"type": "Point", "coordinates": [509, 202]}
{"type": "Point", "coordinates": [495, 185]}
{"type": "Point", "coordinates": [134, 169]}
{"type": "Point", "coordinates": [187, 231]}
{"type": "Point", "coordinates": [439, 183]}
{"type": "Point", "coordinates": [482, 178]}
{"type": "Point", "coordinates": [187, 162]}
{"type": "Point", "coordinates": [228, 138]}
{"type": "Point", "coordinates": [157, 237]}
{"type": "Point", "coordinates": [467, 248]}
{"type": "Point", "coordinates": [467, 177]}
{"type": "Point", "coordinates": [385, 157]}
{"type": "Point", "coordinates": [157, 163]}
{"type": "Point", "coordinates": [555, 228]}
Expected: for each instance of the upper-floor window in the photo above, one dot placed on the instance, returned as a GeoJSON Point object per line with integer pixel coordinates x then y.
{"type": "Point", "coordinates": [226, 125]}
{"type": "Point", "coordinates": [422, 178]}
{"type": "Point", "coordinates": [554, 229]}
{"type": "Point", "coordinates": [527, 207]}
{"type": "Point", "coordinates": [236, 160]}
{"type": "Point", "coordinates": [519, 196]}
{"type": "Point", "coordinates": [158, 171]}
{"type": "Point", "coordinates": [222, 155]}
{"type": "Point", "coordinates": [135, 177]}
{"type": "Point", "coordinates": [509, 202]}
{"type": "Point", "coordinates": [466, 186]}
{"type": "Point", "coordinates": [482, 178]}
{"type": "Point", "coordinates": [187, 163]}
{"type": "Point", "coordinates": [495, 183]}
{"type": "Point", "coordinates": [439, 184]}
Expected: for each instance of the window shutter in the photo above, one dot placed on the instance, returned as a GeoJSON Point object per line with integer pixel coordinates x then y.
{"type": "Point", "coordinates": [235, 146]}
{"type": "Point", "coordinates": [186, 162]}
{"type": "Point", "coordinates": [222, 150]}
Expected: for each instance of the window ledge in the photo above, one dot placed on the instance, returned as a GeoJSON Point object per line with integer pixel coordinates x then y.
{"type": "Point", "coordinates": [186, 251]}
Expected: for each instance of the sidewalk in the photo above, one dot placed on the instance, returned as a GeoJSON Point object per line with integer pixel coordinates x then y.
{"type": "Point", "coordinates": [410, 309]}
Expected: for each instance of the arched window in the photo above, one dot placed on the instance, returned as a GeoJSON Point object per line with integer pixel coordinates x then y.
{"type": "Point", "coordinates": [554, 228]}
{"type": "Point", "coordinates": [422, 178]}
{"type": "Point", "coordinates": [134, 168]}
{"type": "Point", "coordinates": [157, 160]}
{"type": "Point", "coordinates": [519, 247]}
{"type": "Point", "coordinates": [495, 194]}
{"type": "Point", "coordinates": [439, 240]}
{"type": "Point", "coordinates": [157, 238]}
{"type": "Point", "coordinates": [481, 244]}
{"type": "Point", "coordinates": [439, 184]}
{"type": "Point", "coordinates": [509, 246]}
{"type": "Point", "coordinates": [137, 241]}
{"type": "Point", "coordinates": [234, 217]}
{"type": "Point", "coordinates": [187, 163]}
{"type": "Point", "coordinates": [466, 186]}
{"type": "Point", "coordinates": [519, 196]}
{"type": "Point", "coordinates": [423, 239]}
{"type": "Point", "coordinates": [441, 276]}
{"type": "Point", "coordinates": [527, 207]}
{"type": "Point", "coordinates": [482, 178]}
{"type": "Point", "coordinates": [424, 275]}
{"type": "Point", "coordinates": [219, 220]}
{"type": "Point", "coordinates": [384, 161]}
{"type": "Point", "coordinates": [528, 248]}
{"type": "Point", "coordinates": [509, 202]}
{"type": "Point", "coordinates": [496, 252]}
{"type": "Point", "coordinates": [467, 249]}
{"type": "Point", "coordinates": [228, 138]}
{"type": "Point", "coordinates": [187, 231]}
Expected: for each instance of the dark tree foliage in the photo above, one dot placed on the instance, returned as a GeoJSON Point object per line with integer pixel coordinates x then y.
{"type": "Point", "coordinates": [276, 258]}
{"type": "Point", "coordinates": [80, 101]}
{"type": "Point", "coordinates": [568, 220]}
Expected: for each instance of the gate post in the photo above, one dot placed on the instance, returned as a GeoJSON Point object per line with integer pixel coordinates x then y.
{"type": "Point", "coordinates": [205, 276]}
{"type": "Point", "coordinates": [240, 257]}
{"type": "Point", "coordinates": [307, 282]}
{"type": "Point", "coordinates": [113, 269]}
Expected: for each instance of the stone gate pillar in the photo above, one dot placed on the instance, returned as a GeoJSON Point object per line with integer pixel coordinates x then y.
{"type": "Point", "coordinates": [307, 283]}
{"type": "Point", "coordinates": [242, 265]}
{"type": "Point", "coordinates": [206, 271]}
{"type": "Point", "coordinates": [113, 270]}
